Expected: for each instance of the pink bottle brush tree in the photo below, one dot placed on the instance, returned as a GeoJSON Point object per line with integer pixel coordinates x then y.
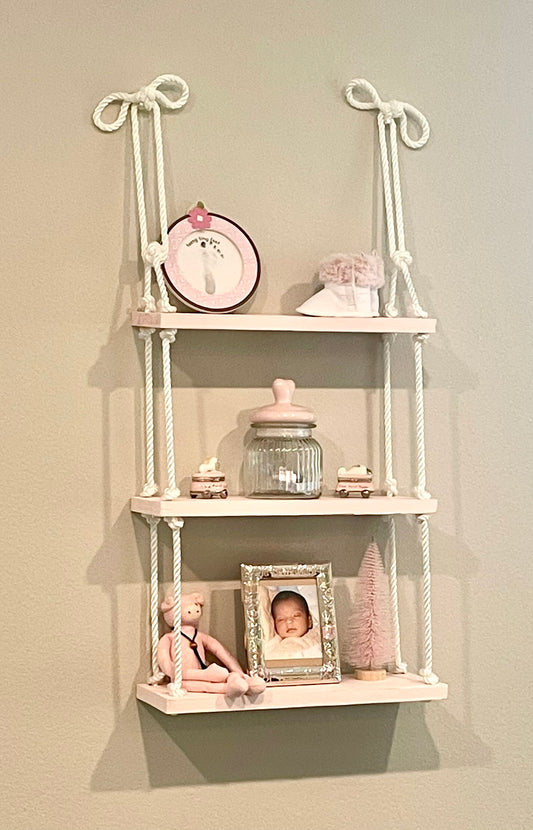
{"type": "Point", "coordinates": [370, 648]}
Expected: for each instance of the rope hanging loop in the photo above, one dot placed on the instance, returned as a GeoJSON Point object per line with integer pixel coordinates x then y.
{"type": "Point", "coordinates": [390, 110]}
{"type": "Point", "coordinates": [361, 95]}
{"type": "Point", "coordinates": [146, 98]}
{"type": "Point", "coordinates": [151, 99]}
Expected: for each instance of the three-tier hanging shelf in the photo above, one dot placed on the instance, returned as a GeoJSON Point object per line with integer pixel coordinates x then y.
{"type": "Point", "coordinates": [157, 321]}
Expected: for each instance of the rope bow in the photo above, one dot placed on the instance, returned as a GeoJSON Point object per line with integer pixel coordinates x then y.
{"type": "Point", "coordinates": [151, 99]}
{"type": "Point", "coordinates": [145, 98]}
{"type": "Point", "coordinates": [361, 95]}
{"type": "Point", "coordinates": [390, 110]}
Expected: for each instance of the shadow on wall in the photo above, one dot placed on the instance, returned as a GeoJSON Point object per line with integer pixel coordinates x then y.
{"type": "Point", "coordinates": [271, 745]}
{"type": "Point", "coordinates": [210, 749]}
{"type": "Point", "coordinates": [287, 744]}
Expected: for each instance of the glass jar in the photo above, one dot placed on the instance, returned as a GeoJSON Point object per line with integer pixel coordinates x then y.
{"type": "Point", "coordinates": [283, 460]}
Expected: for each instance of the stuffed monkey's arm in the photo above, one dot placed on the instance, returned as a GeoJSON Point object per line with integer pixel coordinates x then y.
{"type": "Point", "coordinates": [220, 652]}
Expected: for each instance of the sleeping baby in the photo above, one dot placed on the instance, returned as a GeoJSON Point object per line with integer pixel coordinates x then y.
{"type": "Point", "coordinates": [295, 637]}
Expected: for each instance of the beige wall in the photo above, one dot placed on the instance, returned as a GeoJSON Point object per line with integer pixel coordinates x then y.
{"type": "Point", "coordinates": [268, 141]}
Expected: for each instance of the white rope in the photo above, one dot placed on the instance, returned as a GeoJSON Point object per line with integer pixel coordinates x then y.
{"type": "Point", "coordinates": [420, 489]}
{"type": "Point", "coordinates": [427, 671]}
{"type": "Point", "coordinates": [390, 307]}
{"type": "Point", "coordinates": [388, 113]}
{"type": "Point", "coordinates": [151, 99]}
{"type": "Point", "coordinates": [157, 675]}
{"type": "Point", "coordinates": [168, 336]}
{"type": "Point", "coordinates": [148, 301]}
{"type": "Point", "coordinates": [399, 666]}
{"type": "Point", "coordinates": [150, 487]}
{"type": "Point", "coordinates": [390, 482]}
{"type": "Point", "coordinates": [175, 688]}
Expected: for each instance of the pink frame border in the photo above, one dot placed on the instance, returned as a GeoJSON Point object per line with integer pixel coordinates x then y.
{"type": "Point", "coordinates": [189, 295]}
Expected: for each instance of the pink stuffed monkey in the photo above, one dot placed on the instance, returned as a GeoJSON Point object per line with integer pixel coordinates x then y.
{"type": "Point", "coordinates": [197, 676]}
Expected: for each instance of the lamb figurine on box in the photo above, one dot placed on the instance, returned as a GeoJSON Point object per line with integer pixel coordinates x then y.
{"type": "Point", "coordinates": [351, 283]}
{"type": "Point", "coordinates": [197, 675]}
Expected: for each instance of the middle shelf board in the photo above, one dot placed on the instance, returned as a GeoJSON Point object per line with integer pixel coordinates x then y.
{"type": "Point", "coordinates": [283, 322]}
{"type": "Point", "coordinates": [241, 506]}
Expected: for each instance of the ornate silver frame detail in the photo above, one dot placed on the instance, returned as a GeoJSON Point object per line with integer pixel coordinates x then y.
{"type": "Point", "coordinates": [329, 671]}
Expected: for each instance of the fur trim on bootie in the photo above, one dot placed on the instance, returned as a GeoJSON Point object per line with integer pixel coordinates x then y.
{"type": "Point", "coordinates": [366, 270]}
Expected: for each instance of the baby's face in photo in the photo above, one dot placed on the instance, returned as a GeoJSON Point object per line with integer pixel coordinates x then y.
{"type": "Point", "coordinates": [290, 619]}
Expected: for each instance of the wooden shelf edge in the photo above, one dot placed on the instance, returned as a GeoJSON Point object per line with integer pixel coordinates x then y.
{"type": "Point", "coordinates": [396, 688]}
{"type": "Point", "coordinates": [283, 322]}
{"type": "Point", "coordinates": [241, 506]}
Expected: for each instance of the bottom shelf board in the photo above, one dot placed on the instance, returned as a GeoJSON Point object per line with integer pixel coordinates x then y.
{"type": "Point", "coordinates": [396, 688]}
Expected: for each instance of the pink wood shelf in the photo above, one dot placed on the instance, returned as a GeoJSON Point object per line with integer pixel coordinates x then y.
{"type": "Point", "coordinates": [283, 322]}
{"type": "Point", "coordinates": [396, 688]}
{"type": "Point", "coordinates": [324, 506]}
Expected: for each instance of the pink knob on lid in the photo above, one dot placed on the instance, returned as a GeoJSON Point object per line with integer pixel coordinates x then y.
{"type": "Point", "coordinates": [283, 411]}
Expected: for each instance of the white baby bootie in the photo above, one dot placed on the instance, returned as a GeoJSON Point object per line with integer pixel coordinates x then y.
{"type": "Point", "coordinates": [351, 283]}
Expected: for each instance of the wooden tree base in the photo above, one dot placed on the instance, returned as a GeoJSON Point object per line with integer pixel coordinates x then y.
{"type": "Point", "coordinates": [370, 674]}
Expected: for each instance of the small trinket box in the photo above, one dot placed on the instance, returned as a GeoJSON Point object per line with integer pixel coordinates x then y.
{"type": "Point", "coordinates": [356, 480]}
{"type": "Point", "coordinates": [208, 482]}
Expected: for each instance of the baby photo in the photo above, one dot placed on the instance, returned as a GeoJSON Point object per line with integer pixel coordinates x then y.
{"type": "Point", "coordinates": [290, 622]}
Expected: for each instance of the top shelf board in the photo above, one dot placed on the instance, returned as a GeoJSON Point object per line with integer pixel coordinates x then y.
{"type": "Point", "coordinates": [283, 322]}
{"type": "Point", "coordinates": [324, 506]}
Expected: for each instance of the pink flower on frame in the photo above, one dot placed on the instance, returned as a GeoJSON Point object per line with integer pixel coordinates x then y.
{"type": "Point", "coordinates": [199, 218]}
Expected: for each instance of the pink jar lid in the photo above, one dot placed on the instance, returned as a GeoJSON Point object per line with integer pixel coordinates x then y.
{"type": "Point", "coordinates": [283, 411]}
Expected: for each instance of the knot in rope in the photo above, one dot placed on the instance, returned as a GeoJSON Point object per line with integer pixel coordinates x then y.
{"type": "Point", "coordinates": [146, 97]}
{"type": "Point", "coordinates": [421, 493]}
{"type": "Point", "coordinates": [401, 258]}
{"type": "Point", "coordinates": [152, 521]}
{"type": "Point", "coordinates": [390, 110]}
{"type": "Point", "coordinates": [155, 253]}
{"type": "Point", "coordinates": [163, 306]}
{"type": "Point", "coordinates": [429, 676]}
{"type": "Point", "coordinates": [168, 335]}
{"type": "Point", "coordinates": [170, 494]}
{"type": "Point", "coordinates": [147, 303]}
{"type": "Point", "coordinates": [175, 690]}
{"type": "Point", "coordinates": [148, 491]}
{"type": "Point", "coordinates": [145, 334]}
{"type": "Point", "coordinates": [175, 523]}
